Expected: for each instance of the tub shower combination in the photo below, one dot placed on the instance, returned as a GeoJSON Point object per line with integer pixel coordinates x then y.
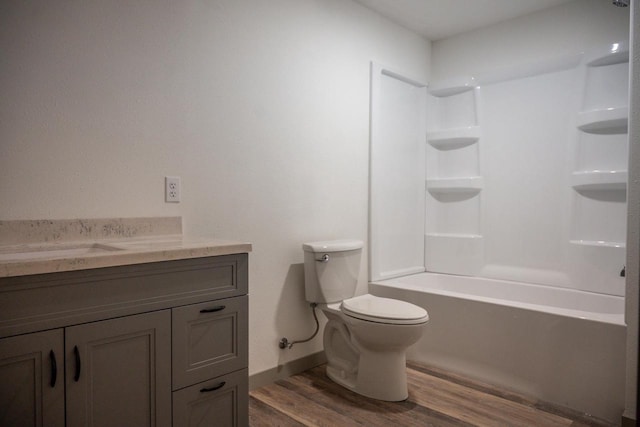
{"type": "Point", "coordinates": [522, 225]}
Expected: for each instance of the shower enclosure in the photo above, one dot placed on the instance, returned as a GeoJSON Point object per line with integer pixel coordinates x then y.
{"type": "Point", "coordinates": [519, 175]}
{"type": "Point", "coordinates": [513, 177]}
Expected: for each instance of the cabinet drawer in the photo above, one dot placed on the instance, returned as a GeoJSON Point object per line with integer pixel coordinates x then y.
{"type": "Point", "coordinates": [74, 297]}
{"type": "Point", "coordinates": [223, 401]}
{"type": "Point", "coordinates": [209, 339]}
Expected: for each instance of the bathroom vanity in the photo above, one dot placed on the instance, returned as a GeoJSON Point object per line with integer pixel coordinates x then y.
{"type": "Point", "coordinates": [141, 329]}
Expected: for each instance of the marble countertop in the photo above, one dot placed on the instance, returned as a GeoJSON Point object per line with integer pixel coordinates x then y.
{"type": "Point", "coordinates": [36, 247]}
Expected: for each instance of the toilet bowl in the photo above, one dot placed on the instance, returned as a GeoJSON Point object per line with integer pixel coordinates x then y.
{"type": "Point", "coordinates": [366, 337]}
{"type": "Point", "coordinates": [367, 354]}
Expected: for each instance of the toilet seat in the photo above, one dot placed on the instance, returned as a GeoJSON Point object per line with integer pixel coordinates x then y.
{"type": "Point", "coordinates": [384, 310]}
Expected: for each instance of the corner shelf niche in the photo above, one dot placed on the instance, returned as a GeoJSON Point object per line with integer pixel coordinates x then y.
{"type": "Point", "coordinates": [469, 184]}
{"type": "Point", "coordinates": [451, 87]}
{"type": "Point", "coordinates": [451, 139]}
{"type": "Point", "coordinates": [453, 240]}
{"type": "Point", "coordinates": [598, 243]}
{"type": "Point", "coordinates": [599, 180]}
{"type": "Point", "coordinates": [455, 235]}
{"type": "Point", "coordinates": [609, 121]}
{"type": "Point", "coordinates": [454, 253]}
{"type": "Point", "coordinates": [614, 53]}
{"type": "Point", "coordinates": [598, 261]}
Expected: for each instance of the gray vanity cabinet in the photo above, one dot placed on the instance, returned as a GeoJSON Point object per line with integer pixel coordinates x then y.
{"type": "Point", "coordinates": [140, 345]}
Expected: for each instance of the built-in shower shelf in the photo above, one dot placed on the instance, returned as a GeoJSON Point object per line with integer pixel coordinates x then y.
{"type": "Point", "coordinates": [469, 184]}
{"type": "Point", "coordinates": [598, 243]}
{"type": "Point", "coordinates": [599, 180]}
{"type": "Point", "coordinates": [604, 121]}
{"type": "Point", "coordinates": [451, 87]}
{"type": "Point", "coordinates": [615, 53]}
{"type": "Point", "coordinates": [454, 253]}
{"type": "Point", "coordinates": [451, 139]}
{"type": "Point", "coordinates": [455, 235]}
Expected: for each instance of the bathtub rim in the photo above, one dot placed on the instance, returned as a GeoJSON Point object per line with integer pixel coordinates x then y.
{"type": "Point", "coordinates": [603, 317]}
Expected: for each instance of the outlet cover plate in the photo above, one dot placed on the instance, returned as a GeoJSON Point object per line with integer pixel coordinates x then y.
{"type": "Point", "coordinates": [172, 189]}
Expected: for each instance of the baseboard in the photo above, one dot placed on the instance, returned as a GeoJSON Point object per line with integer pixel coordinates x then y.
{"type": "Point", "coordinates": [628, 422]}
{"type": "Point", "coordinates": [288, 369]}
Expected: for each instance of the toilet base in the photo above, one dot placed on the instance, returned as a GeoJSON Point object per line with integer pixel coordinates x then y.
{"type": "Point", "coordinates": [370, 380]}
{"type": "Point", "coordinates": [368, 358]}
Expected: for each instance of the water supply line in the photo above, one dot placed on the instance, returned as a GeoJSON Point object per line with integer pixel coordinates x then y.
{"type": "Point", "coordinates": [284, 342]}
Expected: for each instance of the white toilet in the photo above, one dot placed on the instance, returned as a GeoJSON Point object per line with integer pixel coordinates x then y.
{"type": "Point", "coordinates": [366, 337]}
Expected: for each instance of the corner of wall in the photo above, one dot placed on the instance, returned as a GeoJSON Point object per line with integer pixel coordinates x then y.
{"type": "Point", "coordinates": [633, 227]}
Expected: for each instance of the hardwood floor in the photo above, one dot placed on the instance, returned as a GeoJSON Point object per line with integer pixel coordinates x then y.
{"type": "Point", "coordinates": [436, 398]}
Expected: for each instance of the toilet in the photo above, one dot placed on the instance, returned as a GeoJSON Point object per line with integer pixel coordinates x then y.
{"type": "Point", "coordinates": [366, 337]}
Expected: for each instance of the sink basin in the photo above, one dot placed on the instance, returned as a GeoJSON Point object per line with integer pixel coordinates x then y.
{"type": "Point", "coordinates": [28, 253]}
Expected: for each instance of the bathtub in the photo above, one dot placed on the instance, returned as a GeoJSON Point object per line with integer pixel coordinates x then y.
{"type": "Point", "coordinates": [560, 346]}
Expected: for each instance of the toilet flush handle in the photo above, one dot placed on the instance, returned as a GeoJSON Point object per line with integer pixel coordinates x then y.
{"type": "Point", "coordinates": [325, 258]}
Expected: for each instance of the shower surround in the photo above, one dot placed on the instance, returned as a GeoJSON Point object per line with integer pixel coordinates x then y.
{"type": "Point", "coordinates": [524, 185]}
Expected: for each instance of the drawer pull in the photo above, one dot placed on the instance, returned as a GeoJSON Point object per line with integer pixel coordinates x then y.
{"type": "Point", "coordinates": [213, 309]}
{"type": "Point", "coordinates": [76, 353]}
{"type": "Point", "coordinates": [54, 368]}
{"type": "Point", "coordinates": [214, 388]}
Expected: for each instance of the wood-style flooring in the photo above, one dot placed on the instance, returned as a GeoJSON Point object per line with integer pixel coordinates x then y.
{"type": "Point", "coordinates": [436, 398]}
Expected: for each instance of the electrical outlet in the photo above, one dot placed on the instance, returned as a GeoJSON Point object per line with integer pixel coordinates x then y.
{"type": "Point", "coordinates": [172, 189]}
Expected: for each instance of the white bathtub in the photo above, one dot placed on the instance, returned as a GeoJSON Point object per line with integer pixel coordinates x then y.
{"type": "Point", "coordinates": [558, 345]}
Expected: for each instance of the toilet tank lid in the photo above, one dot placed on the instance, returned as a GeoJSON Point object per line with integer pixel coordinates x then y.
{"type": "Point", "coordinates": [333, 245]}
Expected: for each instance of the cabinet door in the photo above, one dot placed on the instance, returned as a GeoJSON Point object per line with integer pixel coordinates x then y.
{"type": "Point", "coordinates": [220, 402]}
{"type": "Point", "coordinates": [32, 380]}
{"type": "Point", "coordinates": [209, 339]}
{"type": "Point", "coordinates": [119, 371]}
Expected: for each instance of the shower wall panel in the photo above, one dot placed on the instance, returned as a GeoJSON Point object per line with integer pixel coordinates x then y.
{"type": "Point", "coordinates": [526, 173]}
{"type": "Point", "coordinates": [397, 156]}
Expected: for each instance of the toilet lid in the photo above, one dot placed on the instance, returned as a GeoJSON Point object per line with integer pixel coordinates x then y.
{"type": "Point", "coordinates": [384, 310]}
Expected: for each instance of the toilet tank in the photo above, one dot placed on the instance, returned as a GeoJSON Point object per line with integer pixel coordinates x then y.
{"type": "Point", "coordinates": [331, 270]}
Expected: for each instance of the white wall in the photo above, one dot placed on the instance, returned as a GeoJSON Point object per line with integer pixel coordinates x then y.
{"type": "Point", "coordinates": [563, 30]}
{"type": "Point", "coordinates": [262, 108]}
